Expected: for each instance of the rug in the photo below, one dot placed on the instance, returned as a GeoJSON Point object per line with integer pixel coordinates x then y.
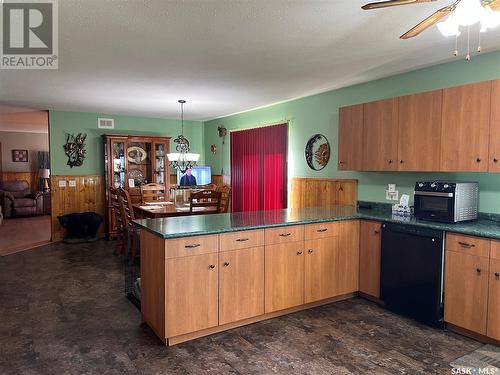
{"type": "Point", "coordinates": [485, 360]}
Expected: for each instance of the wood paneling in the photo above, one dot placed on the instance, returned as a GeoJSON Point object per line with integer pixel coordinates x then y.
{"type": "Point", "coordinates": [311, 192]}
{"type": "Point", "coordinates": [420, 131]}
{"type": "Point", "coordinates": [466, 127]}
{"type": "Point", "coordinates": [466, 291]}
{"type": "Point", "coordinates": [320, 262]}
{"type": "Point", "coordinates": [493, 326]}
{"type": "Point", "coordinates": [284, 276]}
{"type": "Point", "coordinates": [241, 284]}
{"type": "Point", "coordinates": [369, 257]}
{"type": "Point", "coordinates": [380, 135]}
{"type": "Point", "coordinates": [494, 150]}
{"type": "Point", "coordinates": [87, 194]}
{"type": "Point", "coordinates": [30, 177]}
{"type": "Point", "coordinates": [350, 138]}
{"type": "Point", "coordinates": [191, 294]}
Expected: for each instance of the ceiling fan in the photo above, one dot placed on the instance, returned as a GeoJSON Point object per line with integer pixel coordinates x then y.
{"type": "Point", "coordinates": [461, 12]}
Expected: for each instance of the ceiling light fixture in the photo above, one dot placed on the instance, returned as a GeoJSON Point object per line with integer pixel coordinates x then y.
{"type": "Point", "coordinates": [182, 159]}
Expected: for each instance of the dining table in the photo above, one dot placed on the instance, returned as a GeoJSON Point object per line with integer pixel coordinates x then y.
{"type": "Point", "coordinates": [167, 209]}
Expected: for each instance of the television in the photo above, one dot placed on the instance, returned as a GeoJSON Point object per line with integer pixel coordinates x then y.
{"type": "Point", "coordinates": [202, 174]}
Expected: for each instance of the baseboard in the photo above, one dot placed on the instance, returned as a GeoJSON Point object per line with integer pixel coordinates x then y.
{"type": "Point", "coordinates": [471, 334]}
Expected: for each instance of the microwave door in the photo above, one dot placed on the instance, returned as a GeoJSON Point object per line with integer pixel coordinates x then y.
{"type": "Point", "coordinates": [435, 206]}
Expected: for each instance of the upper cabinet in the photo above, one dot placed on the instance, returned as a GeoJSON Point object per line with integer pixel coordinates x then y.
{"type": "Point", "coordinates": [420, 131]}
{"type": "Point", "coordinates": [380, 135]}
{"type": "Point", "coordinates": [350, 137]}
{"type": "Point", "coordinates": [453, 129]}
{"type": "Point", "coordinates": [466, 127]}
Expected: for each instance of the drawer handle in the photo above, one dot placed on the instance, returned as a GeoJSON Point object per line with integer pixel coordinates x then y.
{"type": "Point", "coordinates": [322, 230]}
{"type": "Point", "coordinates": [242, 239]}
{"type": "Point", "coordinates": [299, 252]}
{"type": "Point", "coordinates": [310, 251]}
{"type": "Point", "coordinates": [466, 245]}
{"type": "Point", "coordinates": [285, 234]}
{"type": "Point", "coordinates": [192, 246]}
{"type": "Point", "coordinates": [212, 266]}
{"type": "Point", "coordinates": [226, 264]}
{"type": "Point", "coordinates": [497, 274]}
{"type": "Point", "coordinates": [478, 270]}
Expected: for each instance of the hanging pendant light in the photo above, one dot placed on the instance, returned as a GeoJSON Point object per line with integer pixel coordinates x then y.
{"type": "Point", "coordinates": [182, 159]}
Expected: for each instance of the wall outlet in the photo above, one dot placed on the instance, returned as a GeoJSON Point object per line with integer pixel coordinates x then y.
{"type": "Point", "coordinates": [392, 195]}
{"type": "Point", "coordinates": [72, 183]}
{"type": "Point", "coordinates": [62, 183]}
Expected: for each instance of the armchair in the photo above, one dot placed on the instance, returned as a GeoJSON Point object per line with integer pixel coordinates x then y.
{"type": "Point", "coordinates": [17, 200]}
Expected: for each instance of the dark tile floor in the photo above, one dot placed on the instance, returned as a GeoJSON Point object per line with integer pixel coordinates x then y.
{"type": "Point", "coordinates": [62, 311]}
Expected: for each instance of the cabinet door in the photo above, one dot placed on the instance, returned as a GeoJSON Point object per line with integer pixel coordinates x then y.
{"type": "Point", "coordinates": [241, 284]}
{"type": "Point", "coordinates": [351, 138]}
{"type": "Point", "coordinates": [191, 294]}
{"type": "Point", "coordinates": [466, 127]}
{"type": "Point", "coordinates": [369, 258]}
{"type": "Point", "coordinates": [494, 151]}
{"type": "Point", "coordinates": [419, 141]}
{"type": "Point", "coordinates": [380, 135]}
{"type": "Point", "coordinates": [347, 258]}
{"type": "Point", "coordinates": [466, 291]}
{"type": "Point", "coordinates": [494, 300]}
{"type": "Point", "coordinates": [284, 276]}
{"type": "Point", "coordinates": [320, 264]}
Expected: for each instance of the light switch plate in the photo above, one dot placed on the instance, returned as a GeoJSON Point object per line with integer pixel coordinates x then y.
{"type": "Point", "coordinates": [62, 183]}
{"type": "Point", "coordinates": [392, 195]}
{"type": "Point", "coordinates": [72, 183]}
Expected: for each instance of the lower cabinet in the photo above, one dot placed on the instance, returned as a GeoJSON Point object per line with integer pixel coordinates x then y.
{"type": "Point", "coordinates": [466, 291]}
{"type": "Point", "coordinates": [284, 270]}
{"type": "Point", "coordinates": [321, 256]}
{"type": "Point", "coordinates": [241, 284]}
{"type": "Point", "coordinates": [370, 243]}
{"type": "Point", "coordinates": [494, 300]}
{"type": "Point", "coordinates": [191, 294]}
{"type": "Point", "coordinates": [346, 268]}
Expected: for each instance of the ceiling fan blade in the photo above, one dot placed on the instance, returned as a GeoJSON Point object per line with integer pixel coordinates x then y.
{"type": "Point", "coordinates": [429, 21]}
{"type": "Point", "coordinates": [493, 4]}
{"type": "Point", "coordinates": [392, 3]}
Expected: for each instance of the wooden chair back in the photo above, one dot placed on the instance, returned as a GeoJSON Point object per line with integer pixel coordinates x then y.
{"type": "Point", "coordinates": [126, 209]}
{"type": "Point", "coordinates": [115, 206]}
{"type": "Point", "coordinates": [153, 193]}
{"type": "Point", "coordinates": [205, 201]}
{"type": "Point", "coordinates": [225, 198]}
{"type": "Point", "coordinates": [208, 187]}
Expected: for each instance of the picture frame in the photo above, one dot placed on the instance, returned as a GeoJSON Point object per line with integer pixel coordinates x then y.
{"type": "Point", "coordinates": [20, 156]}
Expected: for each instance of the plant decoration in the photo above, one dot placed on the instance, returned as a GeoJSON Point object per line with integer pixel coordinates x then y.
{"type": "Point", "coordinates": [75, 149]}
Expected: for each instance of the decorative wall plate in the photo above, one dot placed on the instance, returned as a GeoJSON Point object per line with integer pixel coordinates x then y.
{"type": "Point", "coordinates": [136, 154]}
{"type": "Point", "coordinates": [137, 176]}
{"type": "Point", "coordinates": [317, 152]}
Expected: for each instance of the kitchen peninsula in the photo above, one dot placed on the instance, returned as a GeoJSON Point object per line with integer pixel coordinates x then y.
{"type": "Point", "coordinates": [209, 273]}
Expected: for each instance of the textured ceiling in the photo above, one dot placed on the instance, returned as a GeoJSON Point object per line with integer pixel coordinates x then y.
{"type": "Point", "coordinates": [223, 56]}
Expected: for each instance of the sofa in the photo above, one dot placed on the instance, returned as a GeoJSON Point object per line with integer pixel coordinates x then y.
{"type": "Point", "coordinates": [16, 199]}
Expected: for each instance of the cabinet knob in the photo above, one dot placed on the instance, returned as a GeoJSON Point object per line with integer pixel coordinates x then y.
{"type": "Point", "coordinates": [299, 252]}
{"type": "Point", "coordinates": [401, 161]}
{"type": "Point", "coordinates": [376, 232]}
{"type": "Point", "coordinates": [495, 160]}
{"type": "Point", "coordinates": [478, 160]}
{"type": "Point", "coordinates": [497, 274]}
{"type": "Point", "coordinates": [478, 270]}
{"type": "Point", "coordinates": [226, 264]}
{"type": "Point", "coordinates": [341, 162]}
{"type": "Point", "coordinates": [212, 266]}
{"type": "Point", "coordinates": [389, 161]}
{"type": "Point", "coordinates": [309, 251]}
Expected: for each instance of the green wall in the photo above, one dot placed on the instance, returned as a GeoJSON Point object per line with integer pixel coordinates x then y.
{"type": "Point", "coordinates": [319, 114]}
{"type": "Point", "coordinates": [61, 123]}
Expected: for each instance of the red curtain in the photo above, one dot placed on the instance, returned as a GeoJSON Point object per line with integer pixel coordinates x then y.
{"type": "Point", "coordinates": [259, 168]}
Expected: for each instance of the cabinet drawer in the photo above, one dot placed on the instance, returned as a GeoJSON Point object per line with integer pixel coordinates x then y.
{"type": "Point", "coordinates": [191, 246]}
{"type": "Point", "coordinates": [468, 244]}
{"type": "Point", "coordinates": [320, 230]}
{"type": "Point", "coordinates": [495, 249]}
{"type": "Point", "coordinates": [284, 234]}
{"type": "Point", "coordinates": [241, 240]}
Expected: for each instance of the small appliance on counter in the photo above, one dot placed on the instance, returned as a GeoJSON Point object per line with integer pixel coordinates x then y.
{"type": "Point", "coordinates": [448, 202]}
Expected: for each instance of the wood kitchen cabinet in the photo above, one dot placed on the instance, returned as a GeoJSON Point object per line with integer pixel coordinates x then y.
{"type": "Point", "coordinates": [494, 150]}
{"type": "Point", "coordinates": [346, 278]}
{"type": "Point", "coordinates": [465, 128]}
{"type": "Point", "coordinates": [380, 135]}
{"type": "Point", "coordinates": [320, 268]}
{"type": "Point", "coordinates": [350, 138]}
{"type": "Point", "coordinates": [466, 290]}
{"type": "Point", "coordinates": [419, 140]}
{"type": "Point", "coordinates": [493, 326]}
{"type": "Point", "coordinates": [191, 294]}
{"type": "Point", "coordinates": [241, 284]}
{"type": "Point", "coordinates": [369, 257]}
{"type": "Point", "coordinates": [284, 275]}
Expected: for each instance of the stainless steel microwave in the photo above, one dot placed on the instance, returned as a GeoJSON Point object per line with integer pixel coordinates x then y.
{"type": "Point", "coordinates": [448, 202]}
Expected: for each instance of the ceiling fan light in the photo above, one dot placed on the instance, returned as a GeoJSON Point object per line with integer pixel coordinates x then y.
{"type": "Point", "coordinates": [449, 27]}
{"type": "Point", "coordinates": [468, 12]}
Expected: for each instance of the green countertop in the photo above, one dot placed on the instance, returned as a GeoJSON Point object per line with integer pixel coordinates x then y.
{"type": "Point", "coordinates": [186, 226]}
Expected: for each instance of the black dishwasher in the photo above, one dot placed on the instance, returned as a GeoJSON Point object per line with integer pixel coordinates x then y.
{"type": "Point", "coordinates": [411, 275]}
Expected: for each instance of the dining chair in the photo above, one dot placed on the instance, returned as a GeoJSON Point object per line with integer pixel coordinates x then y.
{"type": "Point", "coordinates": [117, 218]}
{"type": "Point", "coordinates": [153, 193]}
{"type": "Point", "coordinates": [205, 201]}
{"type": "Point", "coordinates": [225, 199]}
{"type": "Point", "coordinates": [130, 231]}
{"type": "Point", "coordinates": [207, 187]}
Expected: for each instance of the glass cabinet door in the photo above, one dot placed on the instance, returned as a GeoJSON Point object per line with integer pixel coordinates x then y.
{"type": "Point", "coordinates": [160, 163]}
{"type": "Point", "coordinates": [118, 167]}
{"type": "Point", "coordinates": [140, 169]}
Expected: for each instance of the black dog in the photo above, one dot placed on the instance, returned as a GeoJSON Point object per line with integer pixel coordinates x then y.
{"type": "Point", "coordinates": [80, 227]}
